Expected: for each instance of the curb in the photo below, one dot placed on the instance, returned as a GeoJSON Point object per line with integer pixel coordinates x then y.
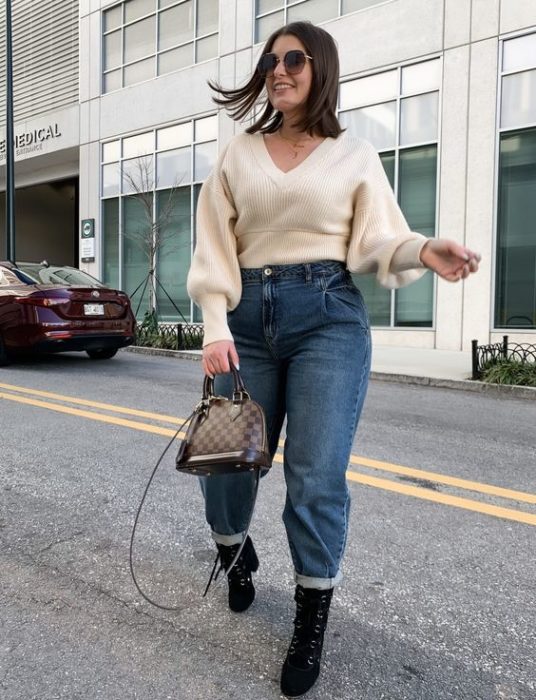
{"type": "Point", "coordinates": [499, 390]}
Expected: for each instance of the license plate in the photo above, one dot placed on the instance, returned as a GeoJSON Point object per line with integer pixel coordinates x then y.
{"type": "Point", "coordinates": [94, 309]}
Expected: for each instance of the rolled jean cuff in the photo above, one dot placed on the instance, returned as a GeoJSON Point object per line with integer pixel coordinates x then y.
{"type": "Point", "coordinates": [323, 584]}
{"type": "Point", "coordinates": [228, 540]}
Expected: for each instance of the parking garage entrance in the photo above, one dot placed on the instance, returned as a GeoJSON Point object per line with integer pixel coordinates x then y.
{"type": "Point", "coordinates": [46, 222]}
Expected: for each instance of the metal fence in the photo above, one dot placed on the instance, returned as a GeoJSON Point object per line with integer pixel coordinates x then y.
{"type": "Point", "coordinates": [171, 336]}
{"type": "Point", "coordinates": [483, 356]}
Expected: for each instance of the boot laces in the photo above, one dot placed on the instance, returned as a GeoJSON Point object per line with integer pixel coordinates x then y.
{"type": "Point", "coordinates": [309, 626]}
{"type": "Point", "coordinates": [240, 573]}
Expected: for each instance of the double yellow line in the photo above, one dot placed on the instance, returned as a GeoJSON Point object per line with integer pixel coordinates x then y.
{"type": "Point", "coordinates": [104, 412]}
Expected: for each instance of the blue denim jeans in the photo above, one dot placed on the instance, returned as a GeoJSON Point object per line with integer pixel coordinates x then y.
{"type": "Point", "coordinates": [303, 339]}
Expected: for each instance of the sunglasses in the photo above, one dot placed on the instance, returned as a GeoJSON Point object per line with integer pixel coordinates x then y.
{"type": "Point", "coordinates": [294, 62]}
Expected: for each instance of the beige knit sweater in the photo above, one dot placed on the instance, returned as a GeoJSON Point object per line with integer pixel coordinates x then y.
{"type": "Point", "coordinates": [335, 205]}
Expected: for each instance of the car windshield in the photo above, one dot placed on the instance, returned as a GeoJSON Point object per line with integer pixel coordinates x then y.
{"type": "Point", "coordinates": [67, 276]}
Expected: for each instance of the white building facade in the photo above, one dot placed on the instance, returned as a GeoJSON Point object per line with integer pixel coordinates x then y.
{"type": "Point", "coordinates": [444, 89]}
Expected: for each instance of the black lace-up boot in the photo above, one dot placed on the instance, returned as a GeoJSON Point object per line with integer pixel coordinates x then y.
{"type": "Point", "coordinates": [302, 665]}
{"type": "Point", "coordinates": [241, 588]}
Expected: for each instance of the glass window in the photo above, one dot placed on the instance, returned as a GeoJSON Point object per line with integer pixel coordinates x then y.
{"type": "Point", "coordinates": [515, 298]}
{"type": "Point", "coordinates": [378, 298]}
{"type": "Point", "coordinates": [266, 25]}
{"type": "Point", "coordinates": [137, 8]}
{"type": "Point", "coordinates": [518, 99]}
{"type": "Point", "coordinates": [137, 243]}
{"type": "Point", "coordinates": [112, 81]}
{"type": "Point", "coordinates": [377, 124]}
{"type": "Point", "coordinates": [112, 50]}
{"type": "Point", "coordinates": [174, 168]}
{"type": "Point", "coordinates": [173, 260]}
{"type": "Point", "coordinates": [138, 175]}
{"type": "Point", "coordinates": [519, 53]}
{"type": "Point", "coordinates": [421, 77]}
{"type": "Point", "coordinates": [369, 90]}
{"type": "Point", "coordinates": [206, 129]}
{"type": "Point", "coordinates": [353, 5]}
{"type": "Point", "coordinates": [111, 151]}
{"type": "Point", "coordinates": [313, 10]}
{"type": "Point", "coordinates": [139, 145]}
{"type": "Point", "coordinates": [176, 25]}
{"type": "Point", "coordinates": [185, 31]}
{"type": "Point", "coordinates": [207, 17]}
{"type": "Point", "coordinates": [175, 59]}
{"type": "Point", "coordinates": [139, 39]}
{"type": "Point", "coordinates": [110, 180]}
{"type": "Point", "coordinates": [112, 18]}
{"type": "Point", "coordinates": [418, 121]}
{"type": "Point", "coordinates": [268, 5]}
{"type": "Point", "coordinates": [138, 72]}
{"type": "Point", "coordinates": [205, 157]}
{"type": "Point", "coordinates": [130, 235]}
{"type": "Point", "coordinates": [417, 199]}
{"type": "Point", "coordinates": [110, 242]}
{"type": "Point", "coordinates": [174, 136]}
{"type": "Point", "coordinates": [207, 48]}
{"type": "Point", "coordinates": [415, 183]}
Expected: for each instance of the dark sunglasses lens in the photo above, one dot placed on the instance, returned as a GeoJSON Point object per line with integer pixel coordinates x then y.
{"type": "Point", "coordinates": [267, 64]}
{"type": "Point", "coordinates": [294, 61]}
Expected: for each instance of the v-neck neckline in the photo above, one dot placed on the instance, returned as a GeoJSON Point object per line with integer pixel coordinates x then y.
{"type": "Point", "coordinates": [268, 165]}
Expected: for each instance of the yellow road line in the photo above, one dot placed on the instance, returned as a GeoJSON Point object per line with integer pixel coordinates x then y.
{"type": "Point", "coordinates": [466, 503]}
{"type": "Point", "coordinates": [415, 491]}
{"type": "Point", "coordinates": [457, 482]}
{"type": "Point", "coordinates": [94, 404]}
{"type": "Point", "coordinates": [444, 479]}
{"type": "Point", "coordinates": [91, 414]}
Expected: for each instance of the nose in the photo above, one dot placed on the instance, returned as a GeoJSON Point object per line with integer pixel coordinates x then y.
{"type": "Point", "coordinates": [280, 68]}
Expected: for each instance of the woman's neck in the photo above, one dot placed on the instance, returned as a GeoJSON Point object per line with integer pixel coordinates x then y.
{"type": "Point", "coordinates": [288, 131]}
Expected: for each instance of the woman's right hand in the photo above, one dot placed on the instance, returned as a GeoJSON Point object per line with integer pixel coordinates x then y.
{"type": "Point", "coordinates": [216, 357]}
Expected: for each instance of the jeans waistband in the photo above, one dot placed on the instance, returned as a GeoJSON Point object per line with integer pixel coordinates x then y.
{"type": "Point", "coordinates": [301, 270]}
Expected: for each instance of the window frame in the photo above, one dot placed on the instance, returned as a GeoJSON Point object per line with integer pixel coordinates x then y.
{"type": "Point", "coordinates": [499, 131]}
{"type": "Point", "coordinates": [395, 150]}
{"type": "Point", "coordinates": [285, 4]}
{"type": "Point", "coordinates": [157, 52]}
{"type": "Point", "coordinates": [193, 183]}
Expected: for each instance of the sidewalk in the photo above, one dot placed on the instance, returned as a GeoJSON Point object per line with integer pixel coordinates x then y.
{"type": "Point", "coordinates": [449, 369]}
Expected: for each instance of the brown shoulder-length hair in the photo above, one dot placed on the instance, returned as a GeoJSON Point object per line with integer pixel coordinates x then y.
{"type": "Point", "coordinates": [319, 114]}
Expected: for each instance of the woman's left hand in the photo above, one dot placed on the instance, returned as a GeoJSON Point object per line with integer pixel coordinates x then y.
{"type": "Point", "coordinates": [451, 261]}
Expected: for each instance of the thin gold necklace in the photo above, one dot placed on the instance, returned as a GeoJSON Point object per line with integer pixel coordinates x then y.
{"type": "Point", "coordinates": [294, 144]}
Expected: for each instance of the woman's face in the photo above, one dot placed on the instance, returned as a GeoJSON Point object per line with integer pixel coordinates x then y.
{"type": "Point", "coordinates": [288, 93]}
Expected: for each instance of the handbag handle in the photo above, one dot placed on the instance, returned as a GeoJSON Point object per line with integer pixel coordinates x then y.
{"type": "Point", "coordinates": [239, 390]}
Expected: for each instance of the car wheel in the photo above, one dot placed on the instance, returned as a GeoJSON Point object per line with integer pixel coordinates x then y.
{"type": "Point", "coordinates": [101, 354]}
{"type": "Point", "coordinates": [4, 357]}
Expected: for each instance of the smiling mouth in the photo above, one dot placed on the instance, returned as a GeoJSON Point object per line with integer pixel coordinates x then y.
{"type": "Point", "coordinates": [281, 86]}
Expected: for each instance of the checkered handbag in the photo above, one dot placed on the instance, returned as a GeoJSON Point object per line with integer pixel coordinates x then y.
{"type": "Point", "coordinates": [225, 436]}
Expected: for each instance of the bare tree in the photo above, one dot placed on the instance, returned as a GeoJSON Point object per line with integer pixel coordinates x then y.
{"type": "Point", "coordinates": [152, 231]}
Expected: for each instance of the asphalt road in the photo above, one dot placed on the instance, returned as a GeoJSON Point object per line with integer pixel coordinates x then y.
{"type": "Point", "coordinates": [439, 596]}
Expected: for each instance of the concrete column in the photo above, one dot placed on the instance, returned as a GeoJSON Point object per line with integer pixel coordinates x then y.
{"type": "Point", "coordinates": [453, 170]}
{"type": "Point", "coordinates": [481, 202]}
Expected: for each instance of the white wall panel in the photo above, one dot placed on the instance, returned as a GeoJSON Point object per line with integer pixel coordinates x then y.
{"type": "Point", "coordinates": [517, 14]}
{"type": "Point", "coordinates": [485, 19]}
{"type": "Point", "coordinates": [480, 187]}
{"type": "Point", "coordinates": [457, 22]}
{"type": "Point", "coordinates": [386, 34]}
{"type": "Point", "coordinates": [166, 99]}
{"type": "Point", "coordinates": [453, 171]}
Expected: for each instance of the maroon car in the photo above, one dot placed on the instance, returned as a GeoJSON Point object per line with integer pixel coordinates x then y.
{"type": "Point", "coordinates": [48, 308]}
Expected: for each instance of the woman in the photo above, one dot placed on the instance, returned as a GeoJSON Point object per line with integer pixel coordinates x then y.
{"type": "Point", "coordinates": [290, 208]}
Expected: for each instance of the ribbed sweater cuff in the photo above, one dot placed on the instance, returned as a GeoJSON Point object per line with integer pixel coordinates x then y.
{"type": "Point", "coordinates": [407, 255]}
{"type": "Point", "coordinates": [214, 308]}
